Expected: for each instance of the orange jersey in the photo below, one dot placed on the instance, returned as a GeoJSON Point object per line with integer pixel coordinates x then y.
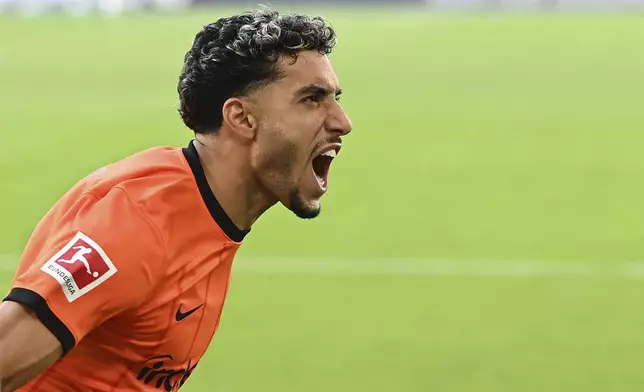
{"type": "Point", "coordinates": [129, 270]}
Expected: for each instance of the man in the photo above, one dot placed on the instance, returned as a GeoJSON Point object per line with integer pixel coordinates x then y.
{"type": "Point", "coordinates": [159, 229]}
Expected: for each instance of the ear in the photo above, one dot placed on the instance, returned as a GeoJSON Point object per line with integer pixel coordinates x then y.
{"type": "Point", "coordinates": [238, 118]}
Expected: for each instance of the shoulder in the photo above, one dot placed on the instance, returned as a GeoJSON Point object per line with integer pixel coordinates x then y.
{"type": "Point", "coordinates": [141, 188]}
{"type": "Point", "coordinates": [162, 183]}
{"type": "Point", "coordinates": [154, 179]}
{"type": "Point", "coordinates": [141, 175]}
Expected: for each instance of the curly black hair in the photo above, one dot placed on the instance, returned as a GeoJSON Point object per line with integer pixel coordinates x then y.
{"type": "Point", "coordinates": [237, 54]}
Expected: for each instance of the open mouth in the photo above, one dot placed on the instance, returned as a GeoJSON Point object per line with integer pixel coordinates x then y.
{"type": "Point", "coordinates": [321, 165]}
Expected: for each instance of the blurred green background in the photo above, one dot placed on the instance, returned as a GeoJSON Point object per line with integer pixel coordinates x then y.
{"type": "Point", "coordinates": [484, 220]}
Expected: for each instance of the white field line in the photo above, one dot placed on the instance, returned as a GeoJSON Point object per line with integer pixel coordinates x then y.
{"type": "Point", "coordinates": [434, 267]}
{"type": "Point", "coordinates": [7, 262]}
{"type": "Point", "coordinates": [422, 267]}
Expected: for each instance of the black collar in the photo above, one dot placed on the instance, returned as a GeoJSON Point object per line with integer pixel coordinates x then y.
{"type": "Point", "coordinates": [216, 210]}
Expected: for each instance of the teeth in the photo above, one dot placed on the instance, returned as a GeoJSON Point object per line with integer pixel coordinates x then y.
{"type": "Point", "coordinates": [330, 153]}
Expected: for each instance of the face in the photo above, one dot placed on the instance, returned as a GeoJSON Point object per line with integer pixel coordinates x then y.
{"type": "Point", "coordinates": [300, 126]}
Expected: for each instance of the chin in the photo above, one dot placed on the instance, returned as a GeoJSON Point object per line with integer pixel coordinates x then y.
{"type": "Point", "coordinates": [305, 209]}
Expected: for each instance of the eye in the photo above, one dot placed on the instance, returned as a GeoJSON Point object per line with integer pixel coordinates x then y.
{"type": "Point", "coordinates": [312, 99]}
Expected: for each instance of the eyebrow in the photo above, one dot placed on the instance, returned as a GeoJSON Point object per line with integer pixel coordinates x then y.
{"type": "Point", "coordinates": [315, 89]}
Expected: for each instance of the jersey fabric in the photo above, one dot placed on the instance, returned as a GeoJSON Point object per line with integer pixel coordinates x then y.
{"type": "Point", "coordinates": [130, 270]}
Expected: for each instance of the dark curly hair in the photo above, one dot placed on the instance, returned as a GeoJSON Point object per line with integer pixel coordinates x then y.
{"type": "Point", "coordinates": [235, 55]}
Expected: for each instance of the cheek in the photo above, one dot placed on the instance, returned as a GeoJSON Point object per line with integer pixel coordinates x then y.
{"type": "Point", "coordinates": [282, 149]}
{"type": "Point", "coordinates": [275, 158]}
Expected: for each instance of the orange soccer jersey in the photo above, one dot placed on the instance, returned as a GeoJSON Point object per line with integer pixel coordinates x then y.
{"type": "Point", "coordinates": [129, 270]}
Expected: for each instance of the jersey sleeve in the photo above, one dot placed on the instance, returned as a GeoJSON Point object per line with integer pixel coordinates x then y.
{"type": "Point", "coordinates": [90, 262]}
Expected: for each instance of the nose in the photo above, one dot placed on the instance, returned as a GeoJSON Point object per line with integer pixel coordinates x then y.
{"type": "Point", "coordinates": [338, 121]}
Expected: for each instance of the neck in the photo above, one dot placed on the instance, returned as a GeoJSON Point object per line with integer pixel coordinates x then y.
{"type": "Point", "coordinates": [231, 180]}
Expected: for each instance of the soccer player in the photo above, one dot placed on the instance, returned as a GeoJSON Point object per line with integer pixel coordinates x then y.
{"type": "Point", "coordinates": [121, 285]}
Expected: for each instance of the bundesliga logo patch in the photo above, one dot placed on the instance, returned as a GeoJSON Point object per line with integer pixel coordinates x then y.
{"type": "Point", "coordinates": [79, 267]}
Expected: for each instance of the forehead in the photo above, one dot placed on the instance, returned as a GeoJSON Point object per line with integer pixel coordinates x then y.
{"type": "Point", "coordinates": [311, 67]}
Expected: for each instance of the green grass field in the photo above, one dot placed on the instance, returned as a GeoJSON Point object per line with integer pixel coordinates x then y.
{"type": "Point", "coordinates": [482, 221]}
